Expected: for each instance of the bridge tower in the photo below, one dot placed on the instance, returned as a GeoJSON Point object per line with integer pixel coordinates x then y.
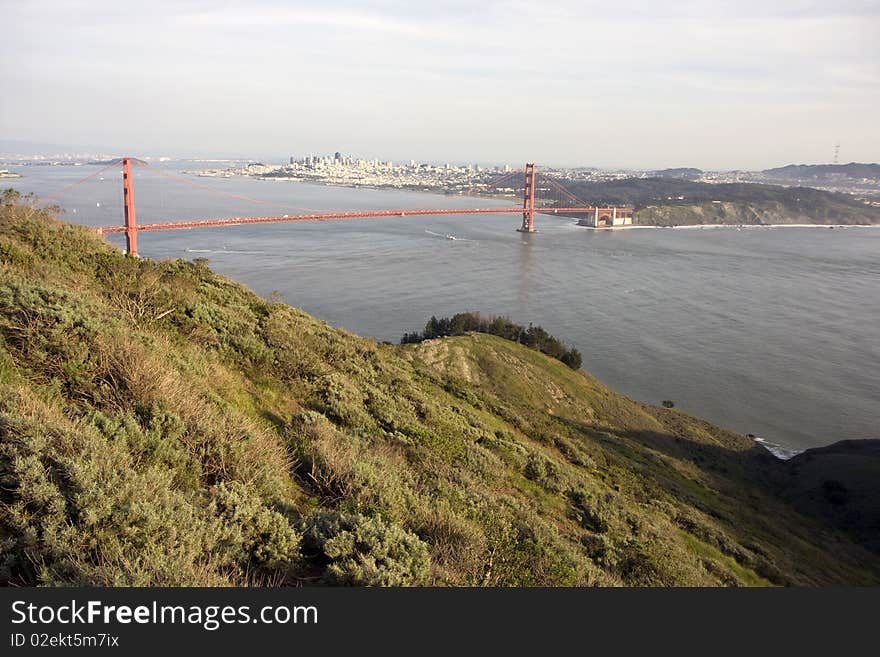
{"type": "Point", "coordinates": [528, 222]}
{"type": "Point", "coordinates": [131, 243]}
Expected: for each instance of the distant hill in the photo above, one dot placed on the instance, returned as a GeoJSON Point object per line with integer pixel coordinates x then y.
{"type": "Point", "coordinates": [684, 173]}
{"type": "Point", "coordinates": [855, 170]}
{"type": "Point", "coordinates": [668, 201]}
{"type": "Point", "coordinates": [26, 148]}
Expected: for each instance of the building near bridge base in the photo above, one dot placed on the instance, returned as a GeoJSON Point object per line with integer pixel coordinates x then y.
{"type": "Point", "coordinates": [608, 217]}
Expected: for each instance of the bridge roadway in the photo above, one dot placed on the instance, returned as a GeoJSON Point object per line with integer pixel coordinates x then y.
{"type": "Point", "coordinates": [241, 221]}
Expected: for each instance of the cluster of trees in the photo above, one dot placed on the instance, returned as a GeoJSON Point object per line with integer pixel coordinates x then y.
{"type": "Point", "coordinates": [532, 336]}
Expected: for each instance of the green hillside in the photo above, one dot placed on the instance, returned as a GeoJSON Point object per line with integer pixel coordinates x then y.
{"type": "Point", "coordinates": [666, 201]}
{"type": "Point", "coordinates": [162, 425]}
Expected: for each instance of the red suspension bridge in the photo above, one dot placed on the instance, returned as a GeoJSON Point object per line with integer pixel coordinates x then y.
{"type": "Point", "coordinates": [606, 216]}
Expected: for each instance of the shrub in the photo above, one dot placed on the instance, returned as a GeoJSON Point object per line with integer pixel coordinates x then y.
{"type": "Point", "coordinates": [82, 514]}
{"type": "Point", "coordinates": [158, 442]}
{"type": "Point", "coordinates": [363, 551]}
{"type": "Point", "coordinates": [101, 501]}
{"type": "Point", "coordinates": [524, 551]}
{"type": "Point", "coordinates": [256, 533]}
{"type": "Point", "coordinates": [589, 511]}
{"type": "Point", "coordinates": [542, 470]}
{"type": "Point", "coordinates": [340, 401]}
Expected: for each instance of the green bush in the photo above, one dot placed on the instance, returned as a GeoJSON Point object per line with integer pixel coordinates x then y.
{"type": "Point", "coordinates": [522, 551]}
{"type": "Point", "coordinates": [363, 551]}
{"type": "Point", "coordinates": [105, 501]}
{"type": "Point", "coordinates": [256, 533]}
{"type": "Point", "coordinates": [340, 401]}
{"type": "Point", "coordinates": [81, 513]}
{"type": "Point", "coordinates": [589, 511]}
{"type": "Point", "coordinates": [542, 470]}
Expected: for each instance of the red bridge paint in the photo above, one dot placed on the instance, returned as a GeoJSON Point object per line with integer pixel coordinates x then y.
{"type": "Point", "coordinates": [528, 224]}
{"type": "Point", "coordinates": [131, 229]}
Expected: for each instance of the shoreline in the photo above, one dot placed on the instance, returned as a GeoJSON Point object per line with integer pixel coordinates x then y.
{"type": "Point", "coordinates": [391, 188]}
{"type": "Point", "coordinates": [779, 451]}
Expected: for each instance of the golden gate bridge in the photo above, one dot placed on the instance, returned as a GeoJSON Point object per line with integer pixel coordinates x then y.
{"type": "Point", "coordinates": [602, 215]}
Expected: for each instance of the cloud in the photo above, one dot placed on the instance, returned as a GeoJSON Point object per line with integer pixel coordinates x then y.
{"type": "Point", "coordinates": [333, 19]}
{"type": "Point", "coordinates": [452, 77]}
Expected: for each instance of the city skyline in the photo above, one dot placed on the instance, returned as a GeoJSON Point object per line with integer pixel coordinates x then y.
{"type": "Point", "coordinates": [708, 85]}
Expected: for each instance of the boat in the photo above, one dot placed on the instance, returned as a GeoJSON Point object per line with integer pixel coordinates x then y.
{"type": "Point", "coordinates": [451, 237]}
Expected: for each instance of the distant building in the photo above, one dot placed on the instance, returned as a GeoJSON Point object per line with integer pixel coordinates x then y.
{"type": "Point", "coordinates": [608, 217]}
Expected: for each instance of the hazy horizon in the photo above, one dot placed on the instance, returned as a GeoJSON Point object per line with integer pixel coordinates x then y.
{"type": "Point", "coordinates": [40, 150]}
{"type": "Point", "coordinates": [718, 86]}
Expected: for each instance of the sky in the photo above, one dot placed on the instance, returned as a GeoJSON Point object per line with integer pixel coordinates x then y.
{"type": "Point", "coordinates": [716, 85]}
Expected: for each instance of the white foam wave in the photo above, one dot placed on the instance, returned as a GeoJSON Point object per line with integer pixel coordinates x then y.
{"type": "Point", "coordinates": [777, 450]}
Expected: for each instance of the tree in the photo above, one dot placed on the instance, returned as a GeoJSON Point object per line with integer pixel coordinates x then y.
{"type": "Point", "coordinates": [572, 358]}
{"type": "Point", "coordinates": [534, 337]}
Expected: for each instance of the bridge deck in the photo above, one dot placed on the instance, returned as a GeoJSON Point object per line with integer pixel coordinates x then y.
{"type": "Point", "coordinates": [239, 221]}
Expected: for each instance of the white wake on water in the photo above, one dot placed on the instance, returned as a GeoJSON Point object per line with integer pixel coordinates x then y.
{"type": "Point", "coordinates": [230, 251]}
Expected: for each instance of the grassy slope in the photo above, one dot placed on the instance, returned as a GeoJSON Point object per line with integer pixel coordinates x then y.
{"type": "Point", "coordinates": [163, 425]}
{"type": "Point", "coordinates": [830, 212]}
{"type": "Point", "coordinates": [841, 484]}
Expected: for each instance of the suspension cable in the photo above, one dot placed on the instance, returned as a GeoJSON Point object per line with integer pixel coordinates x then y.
{"type": "Point", "coordinates": [80, 182]}
{"type": "Point", "coordinates": [497, 182]}
{"type": "Point", "coordinates": [565, 192]}
{"type": "Point", "coordinates": [192, 183]}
